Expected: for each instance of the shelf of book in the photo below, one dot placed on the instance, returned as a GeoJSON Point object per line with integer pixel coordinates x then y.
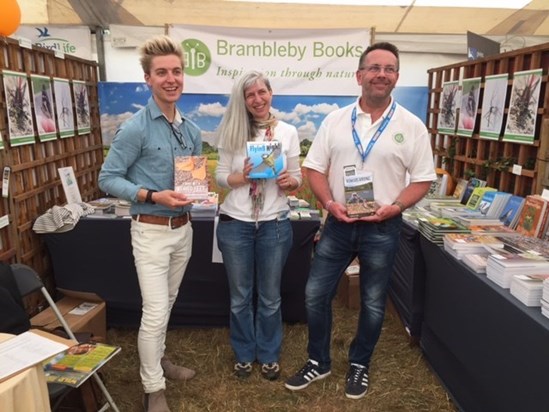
{"type": "Point", "coordinates": [491, 157]}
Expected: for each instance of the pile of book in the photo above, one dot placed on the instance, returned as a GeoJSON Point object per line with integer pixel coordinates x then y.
{"type": "Point", "coordinates": [434, 228]}
{"type": "Point", "coordinates": [528, 288]}
{"type": "Point", "coordinates": [459, 244]}
{"type": "Point", "coordinates": [206, 208]}
{"type": "Point", "coordinates": [545, 299]}
{"type": "Point", "coordinates": [521, 255]}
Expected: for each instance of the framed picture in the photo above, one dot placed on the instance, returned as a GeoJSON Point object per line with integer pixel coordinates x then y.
{"type": "Point", "coordinates": [42, 95]}
{"type": "Point", "coordinates": [20, 123]}
{"type": "Point", "coordinates": [82, 106]}
{"type": "Point", "coordinates": [63, 107]}
{"type": "Point", "coordinates": [523, 107]}
{"type": "Point", "coordinates": [448, 107]}
{"type": "Point", "coordinates": [493, 106]}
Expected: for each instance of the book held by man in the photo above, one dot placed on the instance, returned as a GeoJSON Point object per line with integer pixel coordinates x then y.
{"type": "Point", "coordinates": [191, 176]}
{"type": "Point", "coordinates": [267, 159]}
{"type": "Point", "coordinates": [359, 192]}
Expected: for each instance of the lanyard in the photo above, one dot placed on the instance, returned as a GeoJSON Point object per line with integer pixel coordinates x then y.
{"type": "Point", "coordinates": [380, 129]}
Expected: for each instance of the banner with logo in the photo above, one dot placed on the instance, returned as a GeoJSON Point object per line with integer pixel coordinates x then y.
{"type": "Point", "coordinates": [298, 62]}
{"type": "Point", "coordinates": [73, 40]}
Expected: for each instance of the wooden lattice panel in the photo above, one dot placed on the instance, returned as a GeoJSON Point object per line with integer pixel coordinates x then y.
{"type": "Point", "coordinates": [34, 184]}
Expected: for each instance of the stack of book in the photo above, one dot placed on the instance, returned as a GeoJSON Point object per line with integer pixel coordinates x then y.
{"type": "Point", "coordinates": [476, 262]}
{"type": "Point", "coordinates": [545, 299]}
{"type": "Point", "coordinates": [206, 208]}
{"type": "Point", "coordinates": [493, 202]}
{"type": "Point", "coordinates": [459, 245]}
{"type": "Point", "coordinates": [501, 267]}
{"type": "Point", "coordinates": [472, 184]}
{"type": "Point", "coordinates": [528, 288]}
{"type": "Point", "coordinates": [434, 228]}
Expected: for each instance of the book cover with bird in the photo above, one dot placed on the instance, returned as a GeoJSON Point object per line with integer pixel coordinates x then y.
{"type": "Point", "coordinates": [267, 159]}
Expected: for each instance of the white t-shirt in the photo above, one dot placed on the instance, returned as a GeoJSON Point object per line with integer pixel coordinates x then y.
{"type": "Point", "coordinates": [403, 148]}
{"type": "Point", "coordinates": [238, 203]}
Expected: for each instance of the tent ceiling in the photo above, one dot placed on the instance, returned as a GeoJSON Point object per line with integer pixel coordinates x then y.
{"type": "Point", "coordinates": [532, 20]}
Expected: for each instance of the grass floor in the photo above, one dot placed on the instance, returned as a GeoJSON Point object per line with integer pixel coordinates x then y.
{"type": "Point", "coordinates": [400, 379]}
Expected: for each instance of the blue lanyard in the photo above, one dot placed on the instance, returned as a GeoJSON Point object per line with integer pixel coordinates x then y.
{"type": "Point", "coordinates": [380, 129]}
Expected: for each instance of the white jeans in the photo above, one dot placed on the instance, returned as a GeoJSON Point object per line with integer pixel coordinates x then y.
{"type": "Point", "coordinates": [161, 255]}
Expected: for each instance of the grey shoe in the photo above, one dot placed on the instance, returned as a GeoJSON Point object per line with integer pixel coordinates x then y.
{"type": "Point", "coordinates": [156, 402]}
{"type": "Point", "coordinates": [175, 372]}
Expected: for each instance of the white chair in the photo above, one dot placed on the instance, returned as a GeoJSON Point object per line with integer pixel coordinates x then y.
{"type": "Point", "coordinates": [28, 282]}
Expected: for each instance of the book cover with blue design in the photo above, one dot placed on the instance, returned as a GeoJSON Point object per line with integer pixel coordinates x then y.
{"type": "Point", "coordinates": [267, 159]}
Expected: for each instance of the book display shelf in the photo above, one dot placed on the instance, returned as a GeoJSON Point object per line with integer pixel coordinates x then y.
{"type": "Point", "coordinates": [518, 165]}
{"type": "Point", "coordinates": [33, 158]}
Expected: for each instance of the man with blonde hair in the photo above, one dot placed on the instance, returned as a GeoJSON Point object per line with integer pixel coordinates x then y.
{"type": "Point", "coordinates": [140, 168]}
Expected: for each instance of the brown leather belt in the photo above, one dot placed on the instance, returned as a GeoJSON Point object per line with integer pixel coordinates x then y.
{"type": "Point", "coordinates": [172, 221]}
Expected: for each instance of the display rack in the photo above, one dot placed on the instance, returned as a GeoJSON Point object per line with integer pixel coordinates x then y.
{"type": "Point", "coordinates": [495, 161]}
{"type": "Point", "coordinates": [34, 183]}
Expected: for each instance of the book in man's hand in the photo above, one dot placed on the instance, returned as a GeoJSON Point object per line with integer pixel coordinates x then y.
{"type": "Point", "coordinates": [267, 159]}
{"type": "Point", "coordinates": [191, 177]}
{"type": "Point", "coordinates": [75, 365]}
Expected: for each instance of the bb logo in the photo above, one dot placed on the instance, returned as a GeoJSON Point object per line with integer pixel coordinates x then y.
{"type": "Point", "coordinates": [197, 57]}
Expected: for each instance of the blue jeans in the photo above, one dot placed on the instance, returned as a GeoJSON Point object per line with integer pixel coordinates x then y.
{"type": "Point", "coordinates": [375, 244]}
{"type": "Point", "coordinates": [255, 256]}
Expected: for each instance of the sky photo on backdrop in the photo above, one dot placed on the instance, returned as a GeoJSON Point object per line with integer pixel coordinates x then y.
{"type": "Point", "coordinates": [118, 101]}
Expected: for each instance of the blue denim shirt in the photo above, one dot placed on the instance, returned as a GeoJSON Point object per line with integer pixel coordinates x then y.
{"type": "Point", "coordinates": [142, 156]}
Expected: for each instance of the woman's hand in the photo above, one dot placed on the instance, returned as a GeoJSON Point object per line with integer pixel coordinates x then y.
{"type": "Point", "coordinates": [286, 182]}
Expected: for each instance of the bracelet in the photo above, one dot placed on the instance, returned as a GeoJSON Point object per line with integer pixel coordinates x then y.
{"type": "Point", "coordinates": [149, 197]}
{"type": "Point", "coordinates": [328, 204]}
{"type": "Point", "coordinates": [400, 205]}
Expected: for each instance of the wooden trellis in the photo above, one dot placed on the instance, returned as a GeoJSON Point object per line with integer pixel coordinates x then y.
{"type": "Point", "coordinates": [34, 183]}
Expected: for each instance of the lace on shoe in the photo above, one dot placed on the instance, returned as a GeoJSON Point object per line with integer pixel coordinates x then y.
{"type": "Point", "coordinates": [357, 381]}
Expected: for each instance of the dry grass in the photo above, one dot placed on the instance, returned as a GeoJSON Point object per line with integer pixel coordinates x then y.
{"type": "Point", "coordinates": [400, 379]}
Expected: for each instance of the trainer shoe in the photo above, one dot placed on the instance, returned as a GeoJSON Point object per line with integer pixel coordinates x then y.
{"type": "Point", "coordinates": [357, 381]}
{"type": "Point", "coordinates": [307, 374]}
{"type": "Point", "coordinates": [270, 371]}
{"type": "Point", "coordinates": [242, 369]}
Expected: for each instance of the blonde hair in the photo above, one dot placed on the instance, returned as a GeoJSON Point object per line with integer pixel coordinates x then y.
{"type": "Point", "coordinates": [159, 46]}
{"type": "Point", "coordinates": [237, 125]}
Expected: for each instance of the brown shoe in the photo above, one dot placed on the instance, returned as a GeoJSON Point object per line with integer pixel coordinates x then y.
{"type": "Point", "coordinates": [175, 372]}
{"type": "Point", "coordinates": [156, 402]}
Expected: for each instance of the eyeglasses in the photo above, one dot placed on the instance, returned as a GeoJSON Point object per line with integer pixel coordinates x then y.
{"type": "Point", "coordinates": [177, 134]}
{"type": "Point", "coordinates": [376, 68]}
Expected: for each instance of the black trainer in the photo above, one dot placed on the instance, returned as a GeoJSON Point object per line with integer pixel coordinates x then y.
{"type": "Point", "coordinates": [242, 370]}
{"type": "Point", "coordinates": [307, 374]}
{"type": "Point", "coordinates": [357, 381]}
{"type": "Point", "coordinates": [270, 371]}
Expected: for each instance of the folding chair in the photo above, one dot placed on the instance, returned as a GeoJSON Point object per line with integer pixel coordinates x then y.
{"type": "Point", "coordinates": [28, 282]}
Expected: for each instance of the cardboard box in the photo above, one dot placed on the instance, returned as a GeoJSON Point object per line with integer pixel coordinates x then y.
{"type": "Point", "coordinates": [349, 290]}
{"type": "Point", "coordinates": [84, 312]}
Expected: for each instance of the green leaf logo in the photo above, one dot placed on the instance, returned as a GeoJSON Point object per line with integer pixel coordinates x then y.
{"type": "Point", "coordinates": [197, 57]}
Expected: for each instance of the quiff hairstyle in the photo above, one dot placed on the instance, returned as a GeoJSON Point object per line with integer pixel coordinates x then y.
{"type": "Point", "coordinates": [159, 46]}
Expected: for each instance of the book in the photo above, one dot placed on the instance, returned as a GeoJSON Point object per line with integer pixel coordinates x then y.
{"type": "Point", "coordinates": [459, 190]}
{"type": "Point", "coordinates": [492, 203]}
{"type": "Point", "coordinates": [471, 185]}
{"type": "Point", "coordinates": [511, 211]}
{"type": "Point", "coordinates": [476, 197]}
{"type": "Point", "coordinates": [207, 207]}
{"type": "Point", "coordinates": [359, 192]}
{"type": "Point", "coordinates": [531, 216]}
{"type": "Point", "coordinates": [190, 176]}
{"type": "Point", "coordinates": [75, 365]}
{"type": "Point", "coordinates": [267, 159]}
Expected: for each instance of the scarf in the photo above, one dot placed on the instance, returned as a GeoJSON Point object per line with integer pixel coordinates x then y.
{"type": "Point", "coordinates": [257, 186]}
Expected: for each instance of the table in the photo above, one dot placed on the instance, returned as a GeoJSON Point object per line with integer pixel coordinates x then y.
{"type": "Point", "coordinates": [25, 392]}
{"type": "Point", "coordinates": [490, 350]}
{"type": "Point", "coordinates": [96, 257]}
{"type": "Point", "coordinates": [407, 284]}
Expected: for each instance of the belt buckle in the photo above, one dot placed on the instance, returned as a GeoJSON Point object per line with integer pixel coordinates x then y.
{"type": "Point", "coordinates": [171, 223]}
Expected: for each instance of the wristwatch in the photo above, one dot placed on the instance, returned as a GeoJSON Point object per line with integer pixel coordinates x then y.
{"type": "Point", "coordinates": [400, 205]}
{"type": "Point", "coordinates": [149, 198]}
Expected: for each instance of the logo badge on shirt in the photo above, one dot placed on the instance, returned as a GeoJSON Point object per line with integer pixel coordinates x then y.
{"type": "Point", "coordinates": [398, 138]}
